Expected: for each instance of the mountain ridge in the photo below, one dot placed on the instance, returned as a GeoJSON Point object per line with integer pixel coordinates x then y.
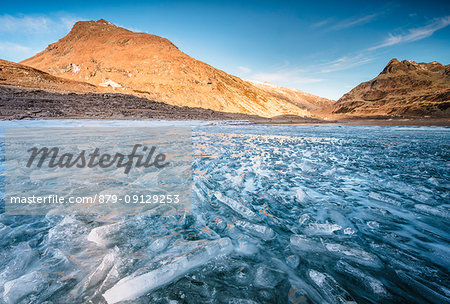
{"type": "Point", "coordinates": [403, 88]}
{"type": "Point", "coordinates": [319, 106]}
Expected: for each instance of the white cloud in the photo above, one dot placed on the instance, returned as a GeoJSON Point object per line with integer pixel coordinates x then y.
{"type": "Point", "coordinates": [365, 56]}
{"type": "Point", "coordinates": [415, 33]}
{"type": "Point", "coordinates": [285, 77]}
{"type": "Point", "coordinates": [321, 23]}
{"type": "Point", "coordinates": [14, 52]}
{"type": "Point", "coordinates": [23, 35]}
{"type": "Point", "coordinates": [35, 24]}
{"type": "Point", "coordinates": [350, 22]}
{"type": "Point", "coordinates": [344, 63]}
{"type": "Point", "coordinates": [13, 47]}
{"type": "Point", "coordinates": [244, 69]}
{"type": "Point", "coordinates": [356, 20]}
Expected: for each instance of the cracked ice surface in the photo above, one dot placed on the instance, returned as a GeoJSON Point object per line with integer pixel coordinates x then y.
{"type": "Point", "coordinates": [282, 214]}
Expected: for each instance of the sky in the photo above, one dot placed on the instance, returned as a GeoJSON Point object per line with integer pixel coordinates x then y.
{"type": "Point", "coordinates": [322, 47]}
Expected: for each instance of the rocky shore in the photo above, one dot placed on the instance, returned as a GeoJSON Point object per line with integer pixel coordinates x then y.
{"type": "Point", "coordinates": [19, 103]}
{"type": "Point", "coordinates": [16, 104]}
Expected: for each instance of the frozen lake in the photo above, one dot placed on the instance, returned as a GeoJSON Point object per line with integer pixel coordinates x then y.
{"type": "Point", "coordinates": [281, 214]}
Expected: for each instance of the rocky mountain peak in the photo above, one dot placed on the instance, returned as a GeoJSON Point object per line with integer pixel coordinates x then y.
{"type": "Point", "coordinates": [409, 66]}
{"type": "Point", "coordinates": [403, 88]}
{"type": "Point", "coordinates": [95, 28]}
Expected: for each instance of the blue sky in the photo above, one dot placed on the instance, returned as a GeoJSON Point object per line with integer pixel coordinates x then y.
{"type": "Point", "coordinates": [324, 48]}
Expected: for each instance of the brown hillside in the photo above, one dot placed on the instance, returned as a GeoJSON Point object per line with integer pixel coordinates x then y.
{"type": "Point", "coordinates": [316, 105]}
{"type": "Point", "coordinates": [103, 54]}
{"type": "Point", "coordinates": [403, 88]}
{"type": "Point", "coordinates": [18, 75]}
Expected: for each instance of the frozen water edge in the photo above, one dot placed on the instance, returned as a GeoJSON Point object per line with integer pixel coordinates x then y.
{"type": "Point", "coordinates": [132, 287]}
{"type": "Point", "coordinates": [327, 214]}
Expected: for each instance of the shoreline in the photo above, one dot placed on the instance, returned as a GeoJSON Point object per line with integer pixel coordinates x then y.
{"type": "Point", "coordinates": [393, 123]}
{"type": "Point", "coordinates": [28, 104]}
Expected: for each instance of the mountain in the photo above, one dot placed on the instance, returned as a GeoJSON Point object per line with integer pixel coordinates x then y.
{"type": "Point", "coordinates": [18, 75]}
{"type": "Point", "coordinates": [145, 65]}
{"type": "Point", "coordinates": [314, 104]}
{"type": "Point", "coordinates": [28, 93]}
{"type": "Point", "coordinates": [403, 89]}
{"type": "Point", "coordinates": [25, 103]}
